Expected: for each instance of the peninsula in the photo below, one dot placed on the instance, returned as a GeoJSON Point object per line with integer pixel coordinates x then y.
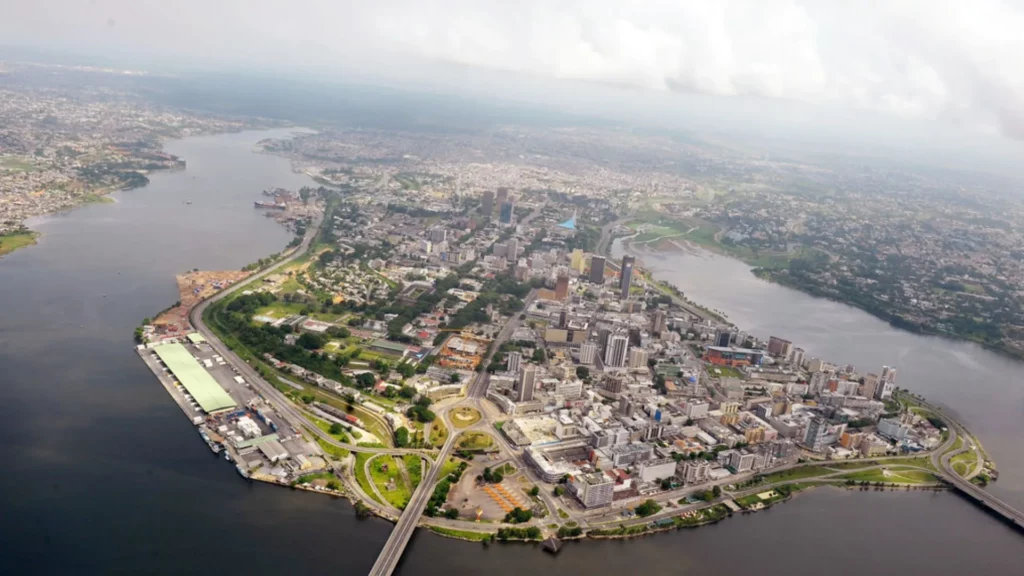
{"type": "Point", "coordinates": [469, 367]}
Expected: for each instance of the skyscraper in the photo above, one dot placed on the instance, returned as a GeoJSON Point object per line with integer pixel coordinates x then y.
{"type": "Point", "coordinates": [524, 392]}
{"type": "Point", "coordinates": [588, 352]}
{"type": "Point", "coordinates": [597, 270]}
{"type": "Point", "coordinates": [817, 432]}
{"type": "Point", "coordinates": [502, 196]}
{"type": "Point", "coordinates": [513, 250]}
{"type": "Point", "coordinates": [562, 288]}
{"type": "Point", "coordinates": [514, 360]}
{"type": "Point", "coordinates": [626, 276]}
{"type": "Point", "coordinates": [658, 322]}
{"type": "Point", "coordinates": [638, 358]}
{"type": "Point", "coordinates": [618, 348]}
{"type": "Point", "coordinates": [507, 210]}
{"type": "Point", "coordinates": [487, 203]}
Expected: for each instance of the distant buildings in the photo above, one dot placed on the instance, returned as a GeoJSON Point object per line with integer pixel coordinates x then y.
{"type": "Point", "coordinates": [658, 322]}
{"type": "Point", "coordinates": [588, 353]}
{"type": "Point", "coordinates": [507, 211]}
{"type": "Point", "coordinates": [562, 288]}
{"type": "Point", "coordinates": [779, 347]}
{"type": "Point", "coordinates": [637, 358]}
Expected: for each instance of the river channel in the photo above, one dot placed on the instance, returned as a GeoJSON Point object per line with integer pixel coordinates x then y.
{"type": "Point", "coordinates": [104, 475]}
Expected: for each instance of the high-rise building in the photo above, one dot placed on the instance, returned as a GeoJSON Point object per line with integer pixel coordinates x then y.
{"type": "Point", "coordinates": [438, 234]}
{"type": "Point", "coordinates": [638, 358]}
{"type": "Point", "coordinates": [658, 322]}
{"type": "Point", "coordinates": [576, 260]}
{"type": "Point", "coordinates": [797, 359]}
{"type": "Point", "coordinates": [563, 318]}
{"type": "Point", "coordinates": [888, 374]}
{"type": "Point", "coordinates": [527, 380]}
{"type": "Point", "coordinates": [870, 386]}
{"type": "Point", "coordinates": [722, 338]}
{"type": "Point", "coordinates": [507, 211]}
{"type": "Point", "coordinates": [779, 347]}
{"type": "Point", "coordinates": [626, 276]}
{"type": "Point", "coordinates": [502, 196]}
{"type": "Point", "coordinates": [487, 203]}
{"type": "Point", "coordinates": [616, 352]}
{"type": "Point", "coordinates": [514, 360]}
{"type": "Point", "coordinates": [562, 288]}
{"type": "Point", "coordinates": [817, 433]}
{"type": "Point", "coordinates": [512, 249]}
{"type": "Point", "coordinates": [588, 352]}
{"type": "Point", "coordinates": [597, 270]}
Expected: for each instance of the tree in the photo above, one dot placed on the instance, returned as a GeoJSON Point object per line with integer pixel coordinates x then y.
{"type": "Point", "coordinates": [455, 378]}
{"type": "Point", "coordinates": [518, 516]}
{"type": "Point", "coordinates": [648, 508]}
{"type": "Point", "coordinates": [311, 341]}
{"type": "Point", "coordinates": [407, 392]}
{"type": "Point", "coordinates": [336, 429]}
{"type": "Point", "coordinates": [583, 372]}
{"type": "Point", "coordinates": [716, 491]}
{"type": "Point", "coordinates": [452, 513]}
{"type": "Point", "coordinates": [559, 490]}
{"type": "Point", "coordinates": [539, 356]}
{"type": "Point", "coordinates": [535, 491]}
{"type": "Point", "coordinates": [402, 437]}
{"type": "Point", "coordinates": [366, 380]}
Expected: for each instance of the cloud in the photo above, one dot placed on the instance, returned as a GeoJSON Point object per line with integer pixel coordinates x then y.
{"type": "Point", "coordinates": [952, 61]}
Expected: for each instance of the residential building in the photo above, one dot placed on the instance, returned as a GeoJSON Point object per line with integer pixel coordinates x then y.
{"type": "Point", "coordinates": [588, 353]}
{"type": "Point", "coordinates": [779, 347]}
{"type": "Point", "coordinates": [637, 358]}
{"type": "Point", "coordinates": [592, 490]}
{"type": "Point", "coordinates": [658, 322]}
{"type": "Point", "coordinates": [696, 471]}
{"type": "Point", "coordinates": [656, 470]}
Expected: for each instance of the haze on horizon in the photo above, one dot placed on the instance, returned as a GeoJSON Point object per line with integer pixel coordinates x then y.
{"type": "Point", "coordinates": [949, 74]}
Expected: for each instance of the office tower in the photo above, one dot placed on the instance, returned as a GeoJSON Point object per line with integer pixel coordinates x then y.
{"type": "Point", "coordinates": [507, 210]}
{"type": "Point", "coordinates": [597, 270]}
{"type": "Point", "coordinates": [576, 261]}
{"type": "Point", "coordinates": [888, 374]}
{"type": "Point", "coordinates": [603, 334]}
{"type": "Point", "coordinates": [513, 249]}
{"type": "Point", "coordinates": [487, 203]}
{"type": "Point", "coordinates": [617, 349]}
{"type": "Point", "coordinates": [438, 234]}
{"type": "Point", "coordinates": [502, 196]}
{"type": "Point", "coordinates": [514, 360]}
{"type": "Point", "coordinates": [562, 288]}
{"type": "Point", "coordinates": [524, 393]}
{"type": "Point", "coordinates": [722, 338]}
{"type": "Point", "coordinates": [870, 386]}
{"type": "Point", "coordinates": [658, 322]}
{"type": "Point", "coordinates": [563, 318]}
{"type": "Point", "coordinates": [817, 432]}
{"type": "Point", "coordinates": [626, 276]}
{"type": "Point", "coordinates": [779, 347]}
{"type": "Point", "coordinates": [588, 352]}
{"type": "Point", "coordinates": [638, 358]}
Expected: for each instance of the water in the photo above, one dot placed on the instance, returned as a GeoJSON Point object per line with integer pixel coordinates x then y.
{"type": "Point", "coordinates": [104, 475]}
{"type": "Point", "coordinates": [984, 390]}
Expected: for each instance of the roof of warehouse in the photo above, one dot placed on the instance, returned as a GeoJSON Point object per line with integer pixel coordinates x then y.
{"type": "Point", "coordinates": [210, 396]}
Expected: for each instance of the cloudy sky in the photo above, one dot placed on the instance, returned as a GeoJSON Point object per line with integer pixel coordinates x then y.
{"type": "Point", "coordinates": [959, 63]}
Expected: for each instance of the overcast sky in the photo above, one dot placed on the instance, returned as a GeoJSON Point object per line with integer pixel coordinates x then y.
{"type": "Point", "coordinates": [956, 62]}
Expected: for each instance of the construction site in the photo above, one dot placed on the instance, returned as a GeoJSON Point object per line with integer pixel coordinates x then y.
{"type": "Point", "coordinates": [464, 351]}
{"type": "Point", "coordinates": [192, 288]}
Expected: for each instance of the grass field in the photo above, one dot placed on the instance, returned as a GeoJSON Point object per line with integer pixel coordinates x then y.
{"type": "Point", "coordinates": [465, 534]}
{"type": "Point", "coordinates": [16, 164]}
{"type": "Point", "coordinates": [796, 474]}
{"type": "Point", "coordinates": [414, 464]}
{"type": "Point", "coordinates": [464, 417]}
{"type": "Point", "coordinates": [384, 471]}
{"type": "Point", "coordinates": [896, 475]}
{"type": "Point", "coordinates": [334, 451]}
{"type": "Point", "coordinates": [475, 441]}
{"type": "Point", "coordinates": [11, 242]}
{"type": "Point", "coordinates": [359, 471]}
{"type": "Point", "coordinates": [449, 466]}
{"type": "Point", "coordinates": [964, 463]}
{"type": "Point", "coordinates": [725, 372]}
{"type": "Point", "coordinates": [438, 432]}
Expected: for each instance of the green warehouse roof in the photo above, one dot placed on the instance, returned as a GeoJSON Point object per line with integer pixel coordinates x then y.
{"type": "Point", "coordinates": [210, 396]}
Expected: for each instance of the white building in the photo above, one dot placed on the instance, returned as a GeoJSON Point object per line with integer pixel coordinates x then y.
{"type": "Point", "coordinates": [656, 470]}
{"type": "Point", "coordinates": [588, 353]}
{"type": "Point", "coordinates": [616, 354]}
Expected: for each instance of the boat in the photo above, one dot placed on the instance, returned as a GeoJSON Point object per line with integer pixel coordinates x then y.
{"type": "Point", "coordinates": [227, 456]}
{"type": "Point", "coordinates": [241, 471]}
{"type": "Point", "coordinates": [269, 205]}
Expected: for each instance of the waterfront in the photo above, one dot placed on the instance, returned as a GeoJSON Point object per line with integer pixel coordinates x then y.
{"type": "Point", "coordinates": [106, 476]}
{"type": "Point", "coordinates": [982, 389]}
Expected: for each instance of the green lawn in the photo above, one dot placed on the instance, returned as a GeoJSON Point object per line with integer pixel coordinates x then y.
{"type": "Point", "coordinates": [465, 534]}
{"type": "Point", "coordinates": [964, 463]}
{"type": "Point", "coordinates": [384, 472]}
{"type": "Point", "coordinates": [414, 464]}
{"type": "Point", "coordinates": [11, 242]}
{"type": "Point", "coordinates": [896, 475]}
{"type": "Point", "coordinates": [475, 441]}
{"type": "Point", "coordinates": [796, 474]}
{"type": "Point", "coordinates": [359, 470]}
{"type": "Point", "coordinates": [725, 372]}
{"type": "Point", "coordinates": [326, 427]}
{"type": "Point", "coordinates": [335, 452]}
{"type": "Point", "coordinates": [464, 417]}
{"type": "Point", "coordinates": [438, 432]}
{"type": "Point", "coordinates": [16, 164]}
{"type": "Point", "coordinates": [449, 466]}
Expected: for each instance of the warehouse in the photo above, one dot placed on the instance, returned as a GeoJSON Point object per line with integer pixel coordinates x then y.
{"type": "Point", "coordinates": [196, 380]}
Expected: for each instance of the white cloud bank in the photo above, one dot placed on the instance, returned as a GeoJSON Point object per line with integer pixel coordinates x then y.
{"type": "Point", "coordinates": [954, 61]}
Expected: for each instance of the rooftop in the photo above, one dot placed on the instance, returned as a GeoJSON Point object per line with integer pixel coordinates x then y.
{"type": "Point", "coordinates": [210, 396]}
